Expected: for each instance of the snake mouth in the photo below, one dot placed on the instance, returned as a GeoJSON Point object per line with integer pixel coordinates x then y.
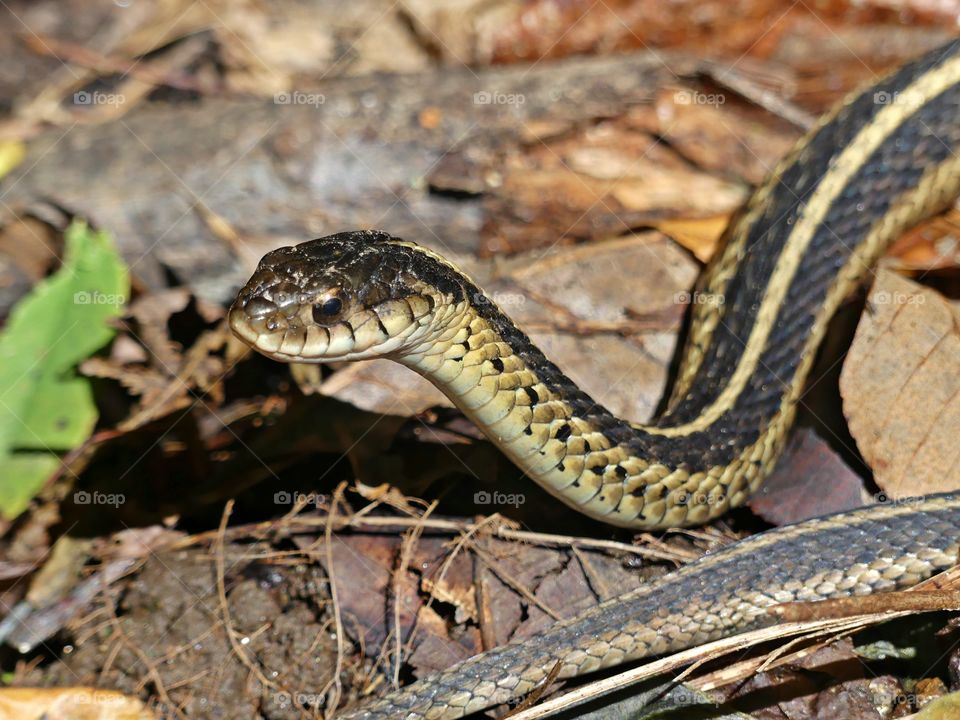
{"type": "Point", "coordinates": [272, 337]}
{"type": "Point", "coordinates": [289, 339]}
{"type": "Point", "coordinates": [365, 334]}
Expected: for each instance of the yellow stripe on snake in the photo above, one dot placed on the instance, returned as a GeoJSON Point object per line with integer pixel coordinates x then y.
{"type": "Point", "coordinates": [881, 161]}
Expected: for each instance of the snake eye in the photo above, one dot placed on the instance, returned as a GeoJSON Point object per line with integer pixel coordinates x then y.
{"type": "Point", "coordinates": [327, 309]}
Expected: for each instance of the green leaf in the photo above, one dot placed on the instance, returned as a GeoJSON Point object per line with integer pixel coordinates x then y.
{"type": "Point", "coordinates": [45, 407]}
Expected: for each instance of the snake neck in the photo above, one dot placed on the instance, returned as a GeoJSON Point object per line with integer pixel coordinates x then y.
{"type": "Point", "coordinates": [556, 433]}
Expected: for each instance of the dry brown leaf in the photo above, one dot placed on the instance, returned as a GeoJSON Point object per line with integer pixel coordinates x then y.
{"type": "Point", "coordinates": [73, 703]}
{"type": "Point", "coordinates": [698, 235]}
{"type": "Point", "coordinates": [716, 134]}
{"type": "Point", "coordinates": [433, 651]}
{"type": "Point", "coordinates": [932, 245]}
{"type": "Point", "coordinates": [901, 388]}
{"type": "Point", "coordinates": [810, 480]}
{"type": "Point", "coordinates": [383, 387]}
{"type": "Point", "coordinates": [372, 598]}
{"type": "Point", "coordinates": [363, 568]}
{"type": "Point", "coordinates": [30, 245]}
{"type": "Point", "coordinates": [595, 183]}
{"type": "Point", "coordinates": [143, 381]}
{"type": "Point", "coordinates": [449, 582]}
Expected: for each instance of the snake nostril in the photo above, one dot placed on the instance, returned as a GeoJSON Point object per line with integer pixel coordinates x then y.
{"type": "Point", "coordinates": [259, 307]}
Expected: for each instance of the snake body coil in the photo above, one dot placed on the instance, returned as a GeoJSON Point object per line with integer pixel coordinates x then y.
{"type": "Point", "coordinates": [884, 159]}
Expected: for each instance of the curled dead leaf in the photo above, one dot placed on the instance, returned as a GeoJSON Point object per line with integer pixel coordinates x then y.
{"type": "Point", "coordinates": [901, 388]}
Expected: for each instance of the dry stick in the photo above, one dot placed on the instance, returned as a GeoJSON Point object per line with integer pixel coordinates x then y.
{"type": "Point", "coordinates": [406, 550]}
{"type": "Point", "coordinates": [669, 554]}
{"type": "Point", "coordinates": [654, 542]}
{"type": "Point", "coordinates": [192, 679]}
{"type": "Point", "coordinates": [111, 657]}
{"type": "Point", "coordinates": [481, 582]}
{"type": "Point", "coordinates": [537, 692]}
{"type": "Point", "coordinates": [782, 655]}
{"type": "Point", "coordinates": [378, 524]}
{"type": "Point", "coordinates": [48, 45]}
{"type": "Point", "coordinates": [772, 656]}
{"type": "Point", "coordinates": [853, 606]}
{"type": "Point", "coordinates": [896, 601]}
{"type": "Point", "coordinates": [225, 608]}
{"type": "Point", "coordinates": [334, 602]}
{"type": "Point", "coordinates": [672, 662]}
{"type": "Point", "coordinates": [718, 648]}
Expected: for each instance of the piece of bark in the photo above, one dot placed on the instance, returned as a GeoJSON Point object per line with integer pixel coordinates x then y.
{"type": "Point", "coordinates": [901, 388]}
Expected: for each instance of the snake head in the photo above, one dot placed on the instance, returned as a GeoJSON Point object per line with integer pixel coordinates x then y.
{"type": "Point", "coordinates": [348, 296]}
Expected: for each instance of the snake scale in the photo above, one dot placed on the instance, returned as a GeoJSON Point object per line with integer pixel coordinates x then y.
{"type": "Point", "coordinates": [882, 160]}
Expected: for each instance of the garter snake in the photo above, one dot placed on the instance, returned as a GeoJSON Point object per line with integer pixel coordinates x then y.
{"type": "Point", "coordinates": [885, 158]}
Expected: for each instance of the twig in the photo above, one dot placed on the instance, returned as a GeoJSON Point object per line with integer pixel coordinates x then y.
{"type": "Point", "coordinates": [63, 50]}
{"type": "Point", "coordinates": [224, 606]}
{"type": "Point", "coordinates": [853, 606]}
{"type": "Point", "coordinates": [379, 524]}
{"type": "Point", "coordinates": [406, 550]}
{"type": "Point", "coordinates": [711, 651]}
{"type": "Point", "coordinates": [334, 602]}
{"type": "Point", "coordinates": [537, 692]}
